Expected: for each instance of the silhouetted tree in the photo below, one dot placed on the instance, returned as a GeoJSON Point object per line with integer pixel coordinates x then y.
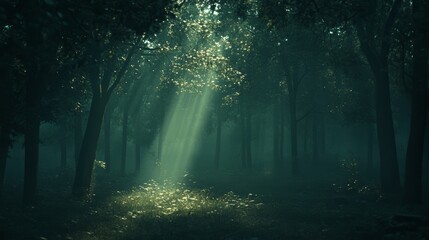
{"type": "Point", "coordinates": [419, 105]}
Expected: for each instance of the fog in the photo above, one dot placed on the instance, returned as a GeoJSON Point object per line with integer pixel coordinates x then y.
{"type": "Point", "coordinates": [214, 119]}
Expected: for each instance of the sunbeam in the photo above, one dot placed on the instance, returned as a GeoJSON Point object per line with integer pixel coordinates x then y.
{"type": "Point", "coordinates": [184, 127]}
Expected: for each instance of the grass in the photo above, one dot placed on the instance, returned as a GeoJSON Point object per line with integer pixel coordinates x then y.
{"type": "Point", "coordinates": [214, 207]}
{"type": "Point", "coordinates": [175, 199]}
{"type": "Point", "coordinates": [154, 210]}
{"type": "Point", "coordinates": [174, 210]}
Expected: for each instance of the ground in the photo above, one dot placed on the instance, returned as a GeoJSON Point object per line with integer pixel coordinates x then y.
{"type": "Point", "coordinates": [232, 207]}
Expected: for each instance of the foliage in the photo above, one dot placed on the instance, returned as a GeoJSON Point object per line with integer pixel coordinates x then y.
{"type": "Point", "coordinates": [201, 60]}
{"type": "Point", "coordinates": [163, 199]}
{"type": "Point", "coordinates": [353, 183]}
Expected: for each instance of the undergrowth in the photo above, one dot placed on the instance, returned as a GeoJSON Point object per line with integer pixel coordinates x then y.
{"type": "Point", "coordinates": [167, 198]}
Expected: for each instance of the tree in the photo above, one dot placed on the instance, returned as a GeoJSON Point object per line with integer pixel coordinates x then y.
{"type": "Point", "coordinates": [373, 22]}
{"type": "Point", "coordinates": [419, 104]}
{"type": "Point", "coordinates": [114, 25]}
{"type": "Point", "coordinates": [128, 103]}
{"type": "Point", "coordinates": [210, 59]}
{"type": "Point", "coordinates": [377, 58]}
{"type": "Point", "coordinates": [352, 87]}
{"type": "Point", "coordinates": [11, 92]}
{"type": "Point", "coordinates": [37, 62]}
{"type": "Point", "coordinates": [40, 32]}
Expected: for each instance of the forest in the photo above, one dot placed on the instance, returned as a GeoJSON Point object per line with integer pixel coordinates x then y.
{"type": "Point", "coordinates": [214, 119]}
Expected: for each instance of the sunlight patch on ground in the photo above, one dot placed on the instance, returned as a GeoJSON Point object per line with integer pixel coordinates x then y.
{"type": "Point", "coordinates": [148, 210]}
{"type": "Point", "coordinates": [175, 199]}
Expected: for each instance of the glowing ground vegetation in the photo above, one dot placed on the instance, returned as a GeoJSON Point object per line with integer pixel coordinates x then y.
{"type": "Point", "coordinates": [174, 199]}
{"type": "Point", "coordinates": [168, 210]}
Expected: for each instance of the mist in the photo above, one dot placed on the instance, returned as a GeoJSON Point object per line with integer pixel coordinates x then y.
{"type": "Point", "coordinates": [214, 119]}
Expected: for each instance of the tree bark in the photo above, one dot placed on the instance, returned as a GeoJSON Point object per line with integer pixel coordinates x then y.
{"type": "Point", "coordinates": [316, 148]}
{"type": "Point", "coordinates": [137, 148]}
{"type": "Point", "coordinates": [389, 171]}
{"type": "Point", "coordinates": [370, 151]}
{"type": "Point", "coordinates": [33, 97]}
{"type": "Point", "coordinates": [31, 143]}
{"type": "Point", "coordinates": [83, 176]}
{"type": "Point", "coordinates": [378, 62]}
{"type": "Point", "coordinates": [419, 107]}
{"type": "Point", "coordinates": [322, 136]}
{"type": "Point", "coordinates": [5, 141]}
{"type": "Point", "coordinates": [248, 138]}
{"type": "Point", "coordinates": [63, 149]}
{"type": "Point", "coordinates": [293, 81]}
{"type": "Point", "coordinates": [106, 129]}
{"type": "Point", "coordinates": [305, 136]}
{"type": "Point", "coordinates": [41, 52]}
{"type": "Point", "coordinates": [63, 155]}
{"type": "Point", "coordinates": [124, 140]}
{"type": "Point", "coordinates": [102, 89]}
{"type": "Point", "coordinates": [82, 181]}
{"type": "Point", "coordinates": [293, 133]}
{"type": "Point", "coordinates": [243, 136]}
{"type": "Point", "coordinates": [77, 135]}
{"type": "Point", "coordinates": [138, 141]}
{"type": "Point", "coordinates": [33, 91]}
{"type": "Point", "coordinates": [282, 128]}
{"type": "Point", "coordinates": [278, 163]}
{"type": "Point", "coordinates": [130, 101]}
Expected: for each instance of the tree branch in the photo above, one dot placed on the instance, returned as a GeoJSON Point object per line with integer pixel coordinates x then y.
{"type": "Point", "coordinates": [305, 115]}
{"type": "Point", "coordinates": [123, 69]}
{"type": "Point", "coordinates": [388, 25]}
{"type": "Point", "coordinates": [318, 11]}
{"type": "Point", "coordinates": [299, 80]}
{"type": "Point", "coordinates": [365, 45]}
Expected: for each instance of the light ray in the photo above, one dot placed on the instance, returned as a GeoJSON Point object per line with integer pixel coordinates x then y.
{"type": "Point", "coordinates": [184, 129]}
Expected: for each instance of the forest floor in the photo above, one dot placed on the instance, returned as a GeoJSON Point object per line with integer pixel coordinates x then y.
{"type": "Point", "coordinates": [233, 207]}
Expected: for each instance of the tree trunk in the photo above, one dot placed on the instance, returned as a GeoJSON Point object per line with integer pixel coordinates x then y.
{"type": "Point", "coordinates": [63, 149]}
{"type": "Point", "coordinates": [322, 136]}
{"type": "Point", "coordinates": [77, 136]}
{"type": "Point", "coordinates": [370, 151]}
{"type": "Point", "coordinates": [31, 138]}
{"type": "Point", "coordinates": [130, 101]}
{"type": "Point", "coordinates": [248, 138]}
{"type": "Point", "coordinates": [31, 160]}
{"type": "Point", "coordinates": [378, 62]}
{"type": "Point", "coordinates": [63, 155]}
{"type": "Point", "coordinates": [293, 133]}
{"type": "Point", "coordinates": [137, 147]}
{"type": "Point", "coordinates": [106, 129]}
{"type": "Point", "coordinates": [138, 141]}
{"type": "Point", "coordinates": [102, 89]}
{"type": "Point", "coordinates": [243, 136]}
{"type": "Point", "coordinates": [389, 171]}
{"type": "Point", "coordinates": [282, 128]}
{"type": "Point", "coordinates": [5, 141]}
{"type": "Point", "coordinates": [305, 136]}
{"type": "Point", "coordinates": [259, 141]}
{"type": "Point", "coordinates": [293, 81]}
{"type": "Point", "coordinates": [124, 140]}
{"type": "Point", "coordinates": [278, 164]}
{"type": "Point", "coordinates": [419, 108]}
{"type": "Point", "coordinates": [82, 181]}
{"type": "Point", "coordinates": [316, 153]}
